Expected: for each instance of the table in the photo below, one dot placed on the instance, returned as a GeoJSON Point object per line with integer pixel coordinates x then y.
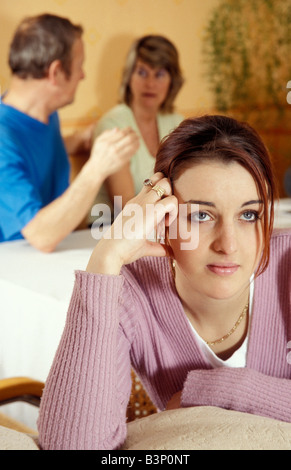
{"type": "Point", "coordinates": [35, 293]}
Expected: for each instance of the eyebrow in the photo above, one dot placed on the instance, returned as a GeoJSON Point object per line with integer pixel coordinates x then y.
{"type": "Point", "coordinates": [211, 204]}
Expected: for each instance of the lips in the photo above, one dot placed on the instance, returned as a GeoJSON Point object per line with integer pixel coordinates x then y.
{"type": "Point", "coordinates": [223, 269]}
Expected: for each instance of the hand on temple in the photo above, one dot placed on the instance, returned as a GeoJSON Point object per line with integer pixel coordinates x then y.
{"type": "Point", "coordinates": [130, 236]}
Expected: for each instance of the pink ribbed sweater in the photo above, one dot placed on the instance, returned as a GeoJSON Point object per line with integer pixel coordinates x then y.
{"type": "Point", "coordinates": [137, 320]}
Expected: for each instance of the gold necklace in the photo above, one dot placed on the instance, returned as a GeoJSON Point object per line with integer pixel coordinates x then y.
{"type": "Point", "coordinates": [241, 317]}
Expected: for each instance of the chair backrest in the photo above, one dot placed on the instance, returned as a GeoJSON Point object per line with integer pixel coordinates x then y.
{"type": "Point", "coordinates": [20, 389]}
{"type": "Point", "coordinates": [139, 404]}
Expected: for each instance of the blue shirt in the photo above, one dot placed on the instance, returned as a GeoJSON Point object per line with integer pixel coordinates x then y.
{"type": "Point", "coordinates": [34, 168]}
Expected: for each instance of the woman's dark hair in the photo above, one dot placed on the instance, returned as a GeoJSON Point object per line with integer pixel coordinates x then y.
{"type": "Point", "coordinates": [222, 138]}
{"type": "Point", "coordinates": [157, 52]}
{"type": "Point", "coordinates": [40, 40]}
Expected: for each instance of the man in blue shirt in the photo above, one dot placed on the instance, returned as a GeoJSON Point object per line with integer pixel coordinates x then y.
{"type": "Point", "coordinates": [36, 201]}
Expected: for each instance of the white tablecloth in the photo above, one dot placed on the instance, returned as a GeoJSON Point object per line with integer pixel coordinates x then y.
{"type": "Point", "coordinates": [35, 292]}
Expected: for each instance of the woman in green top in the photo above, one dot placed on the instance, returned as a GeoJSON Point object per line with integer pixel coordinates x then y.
{"type": "Point", "coordinates": [151, 81]}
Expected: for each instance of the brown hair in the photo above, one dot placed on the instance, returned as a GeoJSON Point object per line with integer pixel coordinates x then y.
{"type": "Point", "coordinates": [225, 139]}
{"type": "Point", "coordinates": [156, 51]}
{"type": "Point", "coordinates": [40, 40]}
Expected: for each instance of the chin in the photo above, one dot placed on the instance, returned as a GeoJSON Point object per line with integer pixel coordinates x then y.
{"type": "Point", "coordinates": [150, 103]}
{"type": "Point", "coordinates": [221, 295]}
{"type": "Point", "coordinates": [71, 100]}
{"type": "Point", "coordinates": [226, 290]}
{"type": "Point", "coordinates": [66, 103]}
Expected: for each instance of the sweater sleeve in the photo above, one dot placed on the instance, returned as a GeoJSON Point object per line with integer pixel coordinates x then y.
{"type": "Point", "coordinates": [240, 389]}
{"type": "Point", "coordinates": [87, 390]}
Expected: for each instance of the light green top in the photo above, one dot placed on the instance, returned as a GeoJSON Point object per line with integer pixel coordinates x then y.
{"type": "Point", "coordinates": [142, 163]}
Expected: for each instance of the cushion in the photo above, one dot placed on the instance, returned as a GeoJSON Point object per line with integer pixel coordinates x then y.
{"type": "Point", "coordinates": [15, 440]}
{"type": "Point", "coordinates": [207, 428]}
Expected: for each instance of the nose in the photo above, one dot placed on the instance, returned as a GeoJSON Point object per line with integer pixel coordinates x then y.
{"type": "Point", "coordinates": [150, 81]}
{"type": "Point", "coordinates": [225, 241]}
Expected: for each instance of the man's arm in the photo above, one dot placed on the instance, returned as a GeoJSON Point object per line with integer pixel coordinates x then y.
{"type": "Point", "coordinates": [53, 223]}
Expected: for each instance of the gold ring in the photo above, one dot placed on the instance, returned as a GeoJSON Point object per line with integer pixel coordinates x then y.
{"type": "Point", "coordinates": [159, 190]}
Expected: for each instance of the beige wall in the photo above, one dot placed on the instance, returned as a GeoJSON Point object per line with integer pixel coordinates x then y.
{"type": "Point", "coordinates": [110, 26]}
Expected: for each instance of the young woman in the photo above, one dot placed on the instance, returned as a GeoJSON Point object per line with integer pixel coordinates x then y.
{"type": "Point", "coordinates": [205, 326]}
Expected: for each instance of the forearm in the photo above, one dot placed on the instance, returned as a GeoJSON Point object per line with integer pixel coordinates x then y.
{"type": "Point", "coordinates": [59, 218]}
{"type": "Point", "coordinates": [84, 401]}
{"type": "Point", "coordinates": [243, 390]}
{"type": "Point", "coordinates": [121, 184]}
{"type": "Point", "coordinates": [110, 152]}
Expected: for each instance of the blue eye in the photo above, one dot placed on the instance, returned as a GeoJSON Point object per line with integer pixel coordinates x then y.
{"type": "Point", "coordinates": [161, 73]}
{"type": "Point", "coordinates": [200, 217]}
{"type": "Point", "coordinates": [141, 72]}
{"type": "Point", "coordinates": [250, 216]}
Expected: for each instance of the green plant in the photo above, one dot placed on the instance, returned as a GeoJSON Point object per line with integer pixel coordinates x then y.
{"type": "Point", "coordinates": [247, 49]}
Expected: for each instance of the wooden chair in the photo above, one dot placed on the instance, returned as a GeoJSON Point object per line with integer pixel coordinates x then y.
{"type": "Point", "coordinates": [20, 389]}
{"type": "Point", "coordinates": [139, 404]}
{"type": "Point", "coordinates": [29, 390]}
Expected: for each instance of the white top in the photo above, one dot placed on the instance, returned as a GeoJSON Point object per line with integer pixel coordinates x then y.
{"type": "Point", "coordinates": [238, 359]}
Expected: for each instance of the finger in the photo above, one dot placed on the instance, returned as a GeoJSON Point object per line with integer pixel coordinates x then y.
{"type": "Point", "coordinates": [158, 215]}
{"type": "Point", "coordinates": [125, 143]}
{"type": "Point", "coordinates": [114, 135]}
{"type": "Point", "coordinates": [150, 183]}
{"type": "Point", "coordinates": [154, 180]}
{"type": "Point", "coordinates": [166, 211]}
{"type": "Point", "coordinates": [126, 150]}
{"type": "Point", "coordinates": [158, 189]}
{"type": "Point", "coordinates": [106, 134]}
{"type": "Point", "coordinates": [124, 138]}
{"type": "Point", "coordinates": [127, 132]}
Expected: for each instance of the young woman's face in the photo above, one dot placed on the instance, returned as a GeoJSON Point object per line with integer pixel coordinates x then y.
{"type": "Point", "coordinates": [230, 232]}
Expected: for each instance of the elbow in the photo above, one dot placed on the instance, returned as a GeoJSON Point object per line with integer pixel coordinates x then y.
{"type": "Point", "coordinates": [41, 244]}
{"type": "Point", "coordinates": [46, 249]}
{"type": "Point", "coordinates": [40, 236]}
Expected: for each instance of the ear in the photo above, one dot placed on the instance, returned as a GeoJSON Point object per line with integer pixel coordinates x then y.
{"type": "Point", "coordinates": [55, 73]}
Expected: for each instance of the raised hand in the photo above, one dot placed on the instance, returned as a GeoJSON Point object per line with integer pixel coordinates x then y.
{"type": "Point", "coordinates": [129, 238]}
{"type": "Point", "coordinates": [112, 150]}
